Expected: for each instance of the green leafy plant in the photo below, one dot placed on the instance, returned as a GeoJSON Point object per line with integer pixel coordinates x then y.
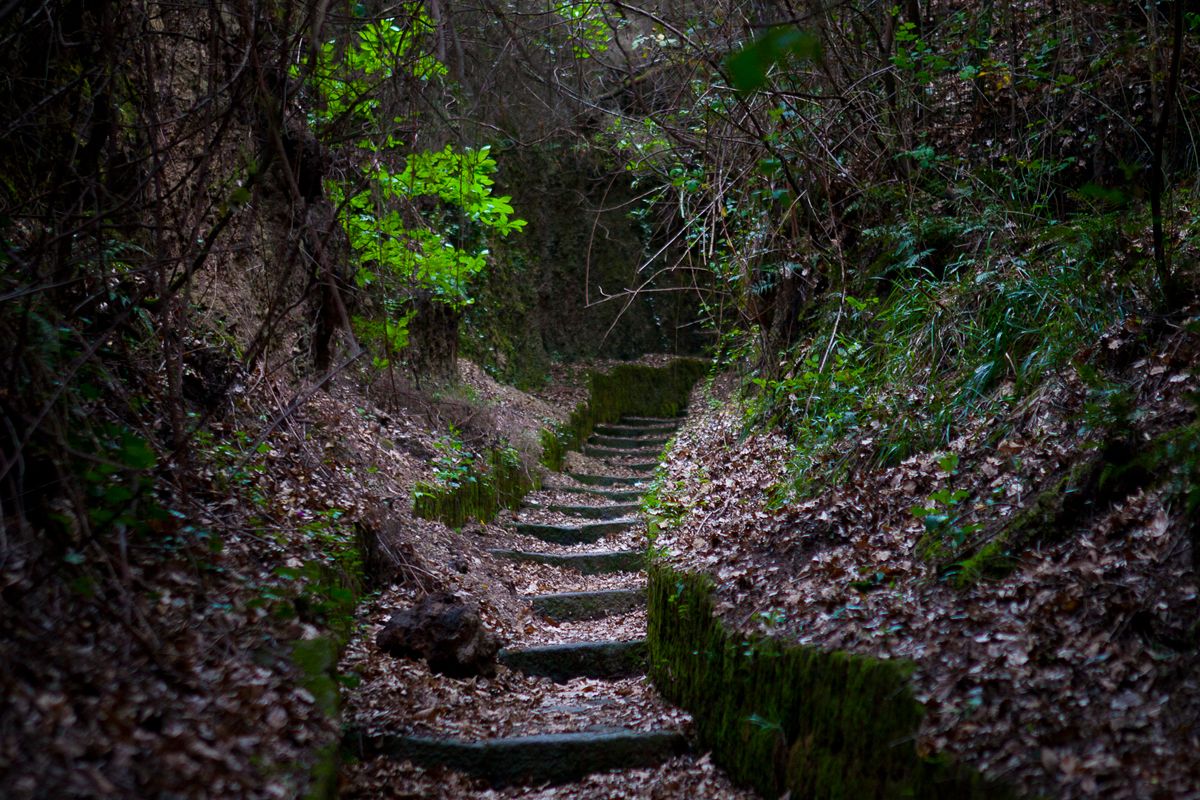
{"type": "Point", "coordinates": [445, 249]}
{"type": "Point", "coordinates": [748, 67]}
{"type": "Point", "coordinates": [452, 464]}
{"type": "Point", "coordinates": [588, 29]}
{"type": "Point", "coordinates": [344, 79]}
{"type": "Point", "coordinates": [943, 515]}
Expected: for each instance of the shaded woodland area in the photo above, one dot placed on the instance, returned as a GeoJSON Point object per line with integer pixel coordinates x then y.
{"type": "Point", "coordinates": [873, 325]}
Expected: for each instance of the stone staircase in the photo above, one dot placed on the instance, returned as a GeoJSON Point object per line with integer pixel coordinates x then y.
{"type": "Point", "coordinates": [625, 455]}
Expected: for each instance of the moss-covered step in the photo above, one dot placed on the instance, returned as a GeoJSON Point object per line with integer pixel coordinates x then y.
{"type": "Point", "coordinates": [629, 442]}
{"type": "Point", "coordinates": [576, 606]}
{"type": "Point", "coordinates": [615, 511]}
{"type": "Point", "coordinates": [547, 758]}
{"type": "Point", "coordinates": [596, 563]}
{"type": "Point", "coordinates": [612, 452]}
{"type": "Point", "coordinates": [584, 533]}
{"type": "Point", "coordinates": [647, 421]}
{"type": "Point", "coordinates": [563, 662]}
{"type": "Point", "coordinates": [790, 718]}
{"type": "Point", "coordinates": [609, 480]}
{"type": "Point", "coordinates": [627, 390]}
{"type": "Point", "coordinates": [644, 466]}
{"type": "Point", "coordinates": [610, 494]}
{"type": "Point", "coordinates": [634, 430]}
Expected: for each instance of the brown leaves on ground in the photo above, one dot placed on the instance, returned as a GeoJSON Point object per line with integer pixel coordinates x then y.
{"type": "Point", "coordinates": [165, 668]}
{"type": "Point", "coordinates": [1072, 676]}
{"type": "Point", "coordinates": [682, 777]}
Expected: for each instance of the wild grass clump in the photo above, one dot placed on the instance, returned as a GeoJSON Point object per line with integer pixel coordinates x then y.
{"type": "Point", "coordinates": [968, 332]}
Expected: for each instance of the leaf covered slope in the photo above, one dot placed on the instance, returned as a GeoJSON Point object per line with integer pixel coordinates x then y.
{"type": "Point", "coordinates": [1048, 599]}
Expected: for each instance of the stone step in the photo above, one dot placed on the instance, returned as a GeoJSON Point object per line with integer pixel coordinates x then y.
{"type": "Point", "coordinates": [634, 430]}
{"type": "Point", "coordinates": [590, 512]}
{"type": "Point", "coordinates": [675, 421]}
{"type": "Point", "coordinates": [611, 494]}
{"type": "Point", "coordinates": [546, 758]}
{"type": "Point", "coordinates": [576, 606]}
{"type": "Point", "coordinates": [613, 452]}
{"type": "Point", "coordinates": [562, 662]}
{"type": "Point", "coordinates": [627, 442]}
{"type": "Point", "coordinates": [599, 563]}
{"type": "Point", "coordinates": [609, 480]}
{"type": "Point", "coordinates": [584, 533]}
{"type": "Point", "coordinates": [644, 466]}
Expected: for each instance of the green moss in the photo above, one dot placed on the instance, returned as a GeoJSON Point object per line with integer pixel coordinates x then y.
{"type": "Point", "coordinates": [502, 483]}
{"type": "Point", "coordinates": [634, 390]}
{"type": "Point", "coordinates": [323, 774]}
{"type": "Point", "coordinates": [994, 560]}
{"type": "Point", "coordinates": [790, 718]}
{"type": "Point", "coordinates": [629, 390]}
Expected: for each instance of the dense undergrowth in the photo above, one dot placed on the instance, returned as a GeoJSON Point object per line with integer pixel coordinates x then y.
{"type": "Point", "coordinates": [467, 487]}
{"type": "Point", "coordinates": [1001, 447]}
{"type": "Point", "coordinates": [911, 351]}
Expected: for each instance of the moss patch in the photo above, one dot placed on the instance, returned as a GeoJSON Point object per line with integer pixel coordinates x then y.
{"type": "Point", "coordinates": [502, 483]}
{"type": "Point", "coordinates": [497, 481]}
{"type": "Point", "coordinates": [629, 390]}
{"type": "Point", "coordinates": [791, 718]}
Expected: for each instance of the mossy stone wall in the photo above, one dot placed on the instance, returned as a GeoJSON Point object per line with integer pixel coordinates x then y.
{"type": "Point", "coordinates": [784, 717]}
{"type": "Point", "coordinates": [480, 496]}
{"type": "Point", "coordinates": [629, 390]}
{"type": "Point", "coordinates": [502, 482]}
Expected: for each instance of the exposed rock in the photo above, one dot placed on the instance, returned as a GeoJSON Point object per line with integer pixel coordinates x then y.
{"type": "Point", "coordinates": [444, 631]}
{"type": "Point", "coordinates": [562, 662]}
{"type": "Point", "coordinates": [567, 606]}
{"type": "Point", "coordinates": [548, 758]}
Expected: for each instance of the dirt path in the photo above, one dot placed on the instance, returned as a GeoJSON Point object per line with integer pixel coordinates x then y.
{"type": "Point", "coordinates": [570, 713]}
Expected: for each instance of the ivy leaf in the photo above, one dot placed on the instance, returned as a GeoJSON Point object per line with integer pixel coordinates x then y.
{"type": "Point", "coordinates": [136, 454]}
{"type": "Point", "coordinates": [749, 66]}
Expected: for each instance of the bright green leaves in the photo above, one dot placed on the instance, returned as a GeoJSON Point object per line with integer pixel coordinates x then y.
{"type": "Point", "coordinates": [403, 258]}
{"type": "Point", "coordinates": [442, 255]}
{"type": "Point", "coordinates": [461, 179]}
{"type": "Point", "coordinates": [587, 26]}
{"type": "Point", "coordinates": [749, 66]}
{"type": "Point", "coordinates": [420, 231]}
{"type": "Point", "coordinates": [344, 78]}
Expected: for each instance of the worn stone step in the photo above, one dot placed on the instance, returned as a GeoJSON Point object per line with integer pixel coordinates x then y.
{"type": "Point", "coordinates": [611, 494]}
{"type": "Point", "coordinates": [600, 563]}
{"type": "Point", "coordinates": [563, 662]}
{"type": "Point", "coordinates": [546, 758]}
{"type": "Point", "coordinates": [634, 430]}
{"type": "Point", "coordinates": [609, 480]}
{"type": "Point", "coordinates": [651, 420]}
{"type": "Point", "coordinates": [643, 466]}
{"type": "Point", "coordinates": [628, 442]}
{"type": "Point", "coordinates": [613, 452]}
{"type": "Point", "coordinates": [591, 512]}
{"type": "Point", "coordinates": [583, 533]}
{"type": "Point", "coordinates": [576, 606]}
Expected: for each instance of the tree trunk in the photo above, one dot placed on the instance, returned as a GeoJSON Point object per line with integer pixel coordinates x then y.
{"type": "Point", "coordinates": [433, 342]}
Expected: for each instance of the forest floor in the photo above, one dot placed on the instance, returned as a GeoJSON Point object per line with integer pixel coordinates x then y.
{"type": "Point", "coordinates": [1070, 676]}
{"type": "Point", "coordinates": [404, 697]}
{"type": "Point", "coordinates": [1071, 672]}
{"type": "Point", "coordinates": [196, 662]}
